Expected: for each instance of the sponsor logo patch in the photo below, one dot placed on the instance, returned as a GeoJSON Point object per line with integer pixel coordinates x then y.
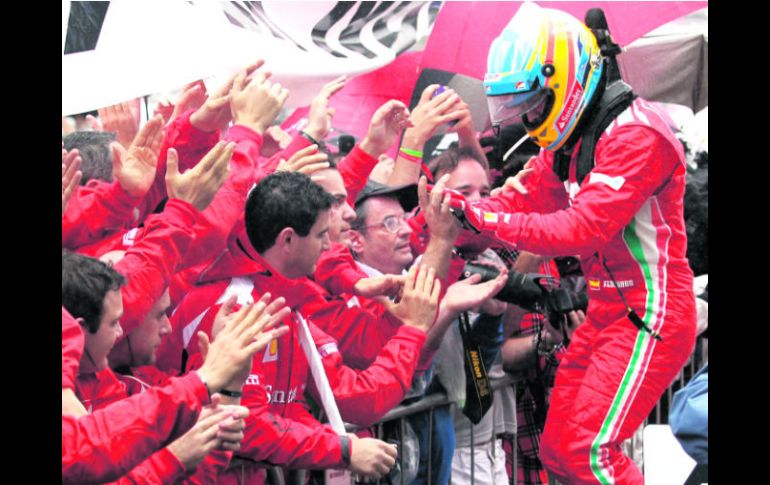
{"type": "Point", "coordinates": [252, 380]}
{"type": "Point", "coordinates": [271, 352]}
{"type": "Point", "coordinates": [599, 284]}
{"type": "Point", "coordinates": [615, 183]}
{"type": "Point", "coordinates": [618, 284]}
{"type": "Point", "coordinates": [572, 101]}
{"type": "Point", "coordinates": [128, 238]}
{"type": "Point", "coordinates": [353, 302]}
{"type": "Point", "coordinates": [327, 349]}
{"type": "Point", "coordinates": [490, 217]}
{"type": "Point", "coordinates": [280, 396]}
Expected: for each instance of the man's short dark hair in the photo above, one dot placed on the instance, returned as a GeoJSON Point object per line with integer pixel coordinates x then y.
{"type": "Point", "coordinates": [94, 148]}
{"type": "Point", "coordinates": [281, 200]}
{"type": "Point", "coordinates": [450, 159]}
{"type": "Point", "coordinates": [85, 282]}
{"type": "Point", "coordinates": [362, 210]}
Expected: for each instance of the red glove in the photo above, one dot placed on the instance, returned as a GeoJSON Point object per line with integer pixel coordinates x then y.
{"type": "Point", "coordinates": [472, 219]}
{"type": "Point", "coordinates": [480, 226]}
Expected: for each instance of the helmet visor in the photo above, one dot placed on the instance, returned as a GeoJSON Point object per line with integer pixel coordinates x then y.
{"type": "Point", "coordinates": [513, 106]}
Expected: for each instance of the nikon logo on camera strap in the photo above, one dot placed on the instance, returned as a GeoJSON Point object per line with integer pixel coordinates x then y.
{"type": "Point", "coordinates": [482, 382]}
{"type": "Point", "coordinates": [478, 392]}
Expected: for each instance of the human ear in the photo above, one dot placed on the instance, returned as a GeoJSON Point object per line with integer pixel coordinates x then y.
{"type": "Point", "coordinates": [356, 241]}
{"type": "Point", "coordinates": [286, 237]}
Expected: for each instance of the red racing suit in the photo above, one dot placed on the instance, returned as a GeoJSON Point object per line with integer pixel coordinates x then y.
{"type": "Point", "coordinates": [95, 211]}
{"type": "Point", "coordinates": [149, 264]}
{"type": "Point", "coordinates": [336, 270]}
{"type": "Point", "coordinates": [97, 391]}
{"type": "Point", "coordinates": [108, 443]}
{"type": "Point", "coordinates": [72, 343]}
{"type": "Point", "coordinates": [280, 429]}
{"type": "Point", "coordinates": [100, 209]}
{"type": "Point", "coordinates": [163, 466]}
{"type": "Point", "coordinates": [625, 221]}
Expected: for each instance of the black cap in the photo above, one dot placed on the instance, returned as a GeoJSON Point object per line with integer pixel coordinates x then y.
{"type": "Point", "coordinates": [406, 194]}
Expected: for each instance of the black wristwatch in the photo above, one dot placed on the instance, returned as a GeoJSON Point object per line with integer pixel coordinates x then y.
{"type": "Point", "coordinates": [345, 442]}
{"type": "Point", "coordinates": [310, 138]}
{"type": "Point", "coordinates": [228, 393]}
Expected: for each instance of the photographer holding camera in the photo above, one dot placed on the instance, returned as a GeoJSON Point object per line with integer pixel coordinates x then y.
{"type": "Point", "coordinates": [477, 420]}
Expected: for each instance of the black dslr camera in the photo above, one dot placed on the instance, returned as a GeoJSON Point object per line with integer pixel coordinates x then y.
{"type": "Point", "coordinates": [532, 291]}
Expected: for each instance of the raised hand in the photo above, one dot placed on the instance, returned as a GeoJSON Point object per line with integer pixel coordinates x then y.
{"type": "Point", "coordinates": [516, 182]}
{"type": "Point", "coordinates": [429, 114]}
{"type": "Point", "coordinates": [70, 175]}
{"type": "Point", "coordinates": [164, 108]}
{"type": "Point", "coordinates": [435, 207]}
{"type": "Point", "coordinates": [123, 119]}
{"type": "Point", "coordinates": [419, 299]}
{"type": "Point", "coordinates": [384, 285]}
{"type": "Point", "coordinates": [308, 161]}
{"type": "Point", "coordinates": [199, 185]}
{"type": "Point", "coordinates": [466, 134]}
{"type": "Point", "coordinates": [386, 126]}
{"type": "Point", "coordinates": [135, 168]}
{"type": "Point", "coordinates": [319, 122]}
{"type": "Point", "coordinates": [470, 292]}
{"type": "Point", "coordinates": [464, 123]}
{"type": "Point", "coordinates": [230, 432]}
{"type": "Point", "coordinates": [227, 361]}
{"type": "Point", "coordinates": [94, 123]}
{"type": "Point", "coordinates": [206, 435]}
{"type": "Point", "coordinates": [193, 97]}
{"type": "Point", "coordinates": [371, 457]}
{"type": "Point", "coordinates": [215, 113]}
{"type": "Point", "coordinates": [256, 103]}
{"type": "Point", "coordinates": [274, 140]}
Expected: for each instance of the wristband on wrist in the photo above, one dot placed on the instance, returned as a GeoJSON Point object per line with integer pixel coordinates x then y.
{"type": "Point", "coordinates": [410, 158]}
{"type": "Point", "coordinates": [310, 138]}
{"type": "Point", "coordinates": [415, 156]}
{"type": "Point", "coordinates": [345, 443]}
{"type": "Point", "coordinates": [409, 151]}
{"type": "Point", "coordinates": [229, 393]}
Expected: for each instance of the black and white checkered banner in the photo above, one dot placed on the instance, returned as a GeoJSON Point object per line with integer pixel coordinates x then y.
{"type": "Point", "coordinates": [114, 51]}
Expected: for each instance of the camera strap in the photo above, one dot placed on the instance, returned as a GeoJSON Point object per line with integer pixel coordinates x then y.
{"type": "Point", "coordinates": [478, 390]}
{"type": "Point", "coordinates": [632, 315]}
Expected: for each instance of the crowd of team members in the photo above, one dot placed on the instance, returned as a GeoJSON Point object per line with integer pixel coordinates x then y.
{"type": "Point", "coordinates": [216, 237]}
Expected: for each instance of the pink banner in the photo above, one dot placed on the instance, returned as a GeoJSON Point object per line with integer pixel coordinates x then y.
{"type": "Point", "coordinates": [464, 31]}
{"type": "Point", "coordinates": [459, 43]}
{"type": "Point", "coordinates": [362, 95]}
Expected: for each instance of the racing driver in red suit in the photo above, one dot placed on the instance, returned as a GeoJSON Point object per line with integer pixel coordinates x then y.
{"type": "Point", "coordinates": [622, 215]}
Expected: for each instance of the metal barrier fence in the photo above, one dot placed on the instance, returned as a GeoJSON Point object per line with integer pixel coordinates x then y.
{"type": "Point", "coordinates": [659, 415]}
{"type": "Point", "coordinates": [429, 403]}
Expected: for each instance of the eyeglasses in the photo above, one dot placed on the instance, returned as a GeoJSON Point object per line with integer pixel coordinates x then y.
{"type": "Point", "coordinates": [391, 223]}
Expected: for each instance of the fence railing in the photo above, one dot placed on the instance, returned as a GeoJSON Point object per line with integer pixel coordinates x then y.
{"type": "Point", "coordinates": [659, 415]}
